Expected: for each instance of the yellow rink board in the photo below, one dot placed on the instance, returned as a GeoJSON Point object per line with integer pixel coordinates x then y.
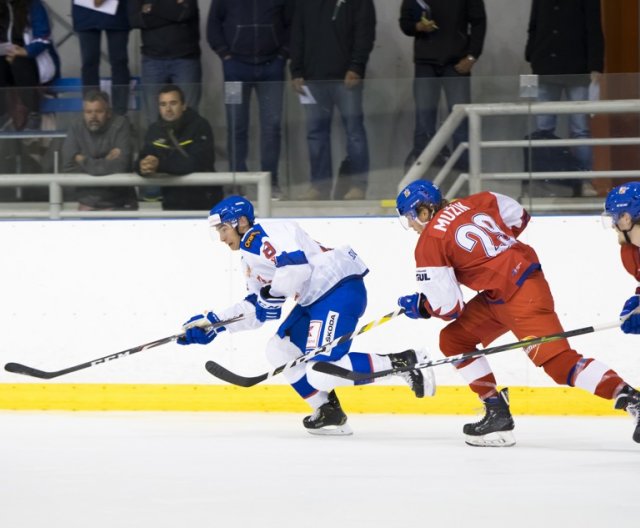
{"type": "Point", "coordinates": [281, 398]}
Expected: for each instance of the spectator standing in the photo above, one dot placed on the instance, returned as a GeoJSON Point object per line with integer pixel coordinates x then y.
{"type": "Point", "coordinates": [251, 38]}
{"type": "Point", "coordinates": [330, 47]}
{"type": "Point", "coordinates": [170, 33]}
{"type": "Point", "coordinates": [99, 143]}
{"type": "Point", "coordinates": [179, 143]}
{"type": "Point", "coordinates": [27, 59]}
{"type": "Point", "coordinates": [566, 47]}
{"type": "Point", "coordinates": [89, 24]}
{"type": "Point", "coordinates": [448, 40]}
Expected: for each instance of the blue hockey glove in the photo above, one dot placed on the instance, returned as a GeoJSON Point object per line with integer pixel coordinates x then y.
{"type": "Point", "coordinates": [632, 324]}
{"type": "Point", "coordinates": [268, 307]}
{"type": "Point", "coordinates": [196, 330]}
{"type": "Point", "coordinates": [414, 306]}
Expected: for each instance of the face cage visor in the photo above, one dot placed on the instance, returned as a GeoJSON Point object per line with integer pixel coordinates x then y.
{"type": "Point", "coordinates": [610, 220]}
{"type": "Point", "coordinates": [408, 217]}
{"type": "Point", "coordinates": [215, 223]}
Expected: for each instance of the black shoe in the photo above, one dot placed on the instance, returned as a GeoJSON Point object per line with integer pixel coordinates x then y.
{"type": "Point", "coordinates": [420, 383]}
{"type": "Point", "coordinates": [494, 430]}
{"type": "Point", "coordinates": [629, 400]}
{"type": "Point", "coordinates": [328, 419]}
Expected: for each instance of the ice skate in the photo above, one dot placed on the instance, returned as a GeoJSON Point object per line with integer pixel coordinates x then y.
{"type": "Point", "coordinates": [496, 427]}
{"type": "Point", "coordinates": [629, 400]}
{"type": "Point", "coordinates": [421, 382]}
{"type": "Point", "coordinates": [329, 419]}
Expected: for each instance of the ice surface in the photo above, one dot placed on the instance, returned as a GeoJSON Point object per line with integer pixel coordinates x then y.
{"type": "Point", "coordinates": [190, 470]}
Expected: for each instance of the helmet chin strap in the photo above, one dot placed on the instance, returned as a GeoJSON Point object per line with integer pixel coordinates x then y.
{"type": "Point", "coordinates": [626, 232]}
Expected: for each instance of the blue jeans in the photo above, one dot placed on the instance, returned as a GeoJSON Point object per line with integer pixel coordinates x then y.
{"type": "Point", "coordinates": [552, 90]}
{"type": "Point", "coordinates": [186, 73]}
{"type": "Point", "coordinates": [349, 102]}
{"type": "Point", "coordinates": [430, 80]}
{"type": "Point", "coordinates": [267, 80]}
{"type": "Point", "coordinates": [117, 43]}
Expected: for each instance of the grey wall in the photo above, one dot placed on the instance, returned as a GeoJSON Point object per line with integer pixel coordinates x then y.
{"type": "Point", "coordinates": [388, 96]}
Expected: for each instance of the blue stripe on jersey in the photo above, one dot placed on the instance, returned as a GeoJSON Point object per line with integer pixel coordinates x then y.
{"type": "Point", "coordinates": [295, 258]}
{"type": "Point", "coordinates": [533, 267]}
{"type": "Point", "coordinates": [252, 240]}
{"type": "Point", "coordinates": [304, 388]}
{"type": "Point", "coordinates": [252, 298]}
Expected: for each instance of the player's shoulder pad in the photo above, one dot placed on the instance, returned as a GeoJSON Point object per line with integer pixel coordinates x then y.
{"type": "Point", "coordinates": [252, 240]}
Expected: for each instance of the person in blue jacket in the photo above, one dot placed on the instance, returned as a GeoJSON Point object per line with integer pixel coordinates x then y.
{"type": "Point", "coordinates": [27, 59]}
{"type": "Point", "coordinates": [89, 24]}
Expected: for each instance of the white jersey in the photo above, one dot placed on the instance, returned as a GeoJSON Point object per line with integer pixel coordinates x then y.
{"type": "Point", "coordinates": [295, 265]}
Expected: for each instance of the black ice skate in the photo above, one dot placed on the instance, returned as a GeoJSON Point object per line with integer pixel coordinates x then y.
{"type": "Point", "coordinates": [328, 419]}
{"type": "Point", "coordinates": [421, 382]}
{"type": "Point", "coordinates": [629, 400]}
{"type": "Point", "coordinates": [495, 428]}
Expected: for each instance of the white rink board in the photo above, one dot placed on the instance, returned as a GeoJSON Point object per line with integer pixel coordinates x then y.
{"type": "Point", "coordinates": [74, 291]}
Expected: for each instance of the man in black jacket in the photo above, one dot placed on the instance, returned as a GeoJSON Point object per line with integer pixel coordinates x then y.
{"type": "Point", "coordinates": [566, 47]}
{"type": "Point", "coordinates": [330, 45]}
{"type": "Point", "coordinates": [170, 33]}
{"type": "Point", "coordinates": [448, 39]}
{"type": "Point", "coordinates": [179, 143]}
{"type": "Point", "coordinates": [251, 37]}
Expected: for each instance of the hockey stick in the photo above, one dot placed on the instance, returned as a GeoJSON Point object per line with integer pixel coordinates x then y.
{"type": "Point", "coordinates": [219, 371]}
{"type": "Point", "coordinates": [18, 368]}
{"type": "Point", "coordinates": [340, 372]}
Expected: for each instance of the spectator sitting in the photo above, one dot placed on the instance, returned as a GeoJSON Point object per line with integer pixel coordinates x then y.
{"type": "Point", "coordinates": [179, 143]}
{"type": "Point", "coordinates": [89, 24]}
{"type": "Point", "coordinates": [170, 33]}
{"type": "Point", "coordinates": [100, 144]}
{"type": "Point", "coordinates": [24, 37]}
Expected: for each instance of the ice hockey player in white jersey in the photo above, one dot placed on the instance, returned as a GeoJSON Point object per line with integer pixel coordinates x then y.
{"type": "Point", "coordinates": [282, 261]}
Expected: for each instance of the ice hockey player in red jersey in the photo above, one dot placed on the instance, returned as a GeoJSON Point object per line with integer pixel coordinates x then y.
{"type": "Point", "coordinates": [474, 242]}
{"type": "Point", "coordinates": [622, 209]}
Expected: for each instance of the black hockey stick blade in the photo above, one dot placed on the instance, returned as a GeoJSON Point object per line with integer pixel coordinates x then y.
{"type": "Point", "coordinates": [340, 372]}
{"type": "Point", "coordinates": [219, 371]}
{"type": "Point", "coordinates": [18, 368]}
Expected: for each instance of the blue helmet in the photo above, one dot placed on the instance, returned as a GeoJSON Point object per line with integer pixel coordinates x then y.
{"type": "Point", "coordinates": [623, 199]}
{"type": "Point", "coordinates": [416, 193]}
{"type": "Point", "coordinates": [230, 210]}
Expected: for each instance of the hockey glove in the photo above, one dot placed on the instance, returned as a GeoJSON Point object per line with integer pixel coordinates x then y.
{"type": "Point", "coordinates": [414, 306]}
{"type": "Point", "coordinates": [196, 330]}
{"type": "Point", "coordinates": [268, 307]}
{"type": "Point", "coordinates": [632, 324]}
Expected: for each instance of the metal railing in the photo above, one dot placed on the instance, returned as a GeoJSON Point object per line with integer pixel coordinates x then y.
{"type": "Point", "coordinates": [56, 183]}
{"type": "Point", "coordinates": [476, 112]}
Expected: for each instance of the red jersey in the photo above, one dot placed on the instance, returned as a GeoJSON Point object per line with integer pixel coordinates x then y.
{"type": "Point", "coordinates": [630, 255]}
{"type": "Point", "coordinates": [473, 242]}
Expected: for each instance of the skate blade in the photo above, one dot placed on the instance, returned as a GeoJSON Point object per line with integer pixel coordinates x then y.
{"type": "Point", "coordinates": [428, 374]}
{"type": "Point", "coordinates": [495, 439]}
{"type": "Point", "coordinates": [332, 430]}
{"type": "Point", "coordinates": [429, 382]}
